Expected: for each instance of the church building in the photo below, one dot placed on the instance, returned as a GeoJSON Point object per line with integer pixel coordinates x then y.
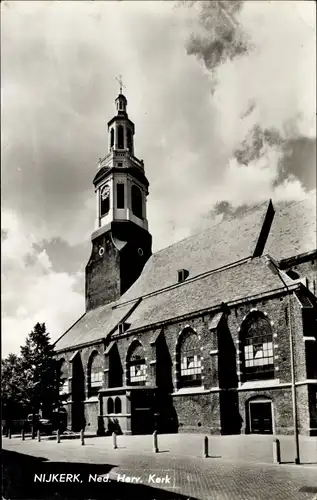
{"type": "Point", "coordinates": [215, 333]}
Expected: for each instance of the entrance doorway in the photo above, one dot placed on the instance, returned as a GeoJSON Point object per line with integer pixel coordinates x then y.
{"type": "Point", "coordinates": [261, 420]}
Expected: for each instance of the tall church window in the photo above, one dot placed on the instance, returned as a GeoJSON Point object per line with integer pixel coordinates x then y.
{"type": "Point", "coordinates": [95, 373]}
{"type": "Point", "coordinates": [257, 340]}
{"type": "Point", "coordinates": [189, 359]}
{"type": "Point", "coordinates": [129, 140]}
{"type": "Point", "coordinates": [63, 378]}
{"type": "Point", "coordinates": [136, 196]}
{"type": "Point", "coordinates": [120, 195]}
{"type": "Point", "coordinates": [137, 366]}
{"type": "Point", "coordinates": [111, 138]}
{"type": "Point", "coordinates": [104, 200]}
{"type": "Point", "coordinates": [120, 137]}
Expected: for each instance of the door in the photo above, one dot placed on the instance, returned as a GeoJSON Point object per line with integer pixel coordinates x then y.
{"type": "Point", "coordinates": [261, 417]}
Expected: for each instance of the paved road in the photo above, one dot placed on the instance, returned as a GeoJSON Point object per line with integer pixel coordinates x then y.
{"type": "Point", "coordinates": [186, 477]}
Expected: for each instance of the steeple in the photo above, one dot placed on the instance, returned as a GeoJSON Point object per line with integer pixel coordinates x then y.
{"type": "Point", "coordinates": [121, 241]}
{"type": "Point", "coordinates": [120, 183]}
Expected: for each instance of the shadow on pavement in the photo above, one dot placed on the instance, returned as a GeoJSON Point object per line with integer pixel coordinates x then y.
{"type": "Point", "coordinates": [18, 471]}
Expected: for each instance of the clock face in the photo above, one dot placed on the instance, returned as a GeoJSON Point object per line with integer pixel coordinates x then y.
{"type": "Point", "coordinates": [105, 192]}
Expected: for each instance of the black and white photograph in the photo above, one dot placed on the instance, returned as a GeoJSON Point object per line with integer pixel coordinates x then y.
{"type": "Point", "coordinates": [158, 250]}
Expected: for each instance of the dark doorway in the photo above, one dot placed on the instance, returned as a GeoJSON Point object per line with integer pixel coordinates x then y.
{"type": "Point", "coordinates": [78, 395]}
{"type": "Point", "coordinates": [230, 417]}
{"type": "Point", "coordinates": [261, 417]}
{"type": "Point", "coordinates": [143, 421]}
{"type": "Point", "coordinates": [142, 412]}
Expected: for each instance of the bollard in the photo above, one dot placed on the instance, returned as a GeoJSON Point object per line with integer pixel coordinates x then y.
{"type": "Point", "coordinates": [33, 432]}
{"type": "Point", "coordinates": [9, 434]}
{"type": "Point", "coordinates": [155, 445]}
{"type": "Point", "coordinates": [58, 436]}
{"type": "Point", "coordinates": [206, 454]}
{"type": "Point", "coordinates": [38, 435]}
{"type": "Point", "coordinates": [276, 451]}
{"type": "Point", "coordinates": [23, 435]}
{"type": "Point", "coordinates": [114, 440]}
{"type": "Point", "coordinates": [82, 437]}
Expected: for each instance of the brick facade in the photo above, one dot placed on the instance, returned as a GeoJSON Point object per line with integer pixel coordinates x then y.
{"type": "Point", "coordinates": [222, 403]}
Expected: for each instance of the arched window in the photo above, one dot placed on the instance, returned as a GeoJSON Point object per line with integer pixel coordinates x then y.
{"type": "Point", "coordinates": [136, 196]}
{"type": "Point", "coordinates": [95, 373]}
{"type": "Point", "coordinates": [120, 137]}
{"type": "Point", "coordinates": [104, 200]}
{"type": "Point", "coordinates": [111, 138]}
{"type": "Point", "coordinates": [257, 340]}
{"type": "Point", "coordinates": [64, 381]}
{"type": "Point", "coordinates": [110, 406]}
{"type": "Point", "coordinates": [117, 405]}
{"type": "Point", "coordinates": [129, 140]}
{"type": "Point", "coordinates": [137, 366]}
{"type": "Point", "coordinates": [189, 359]}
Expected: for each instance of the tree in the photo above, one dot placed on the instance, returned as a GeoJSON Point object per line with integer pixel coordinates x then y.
{"type": "Point", "coordinates": [39, 368]}
{"type": "Point", "coordinates": [13, 397]}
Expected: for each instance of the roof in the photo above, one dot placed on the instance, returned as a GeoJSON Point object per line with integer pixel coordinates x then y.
{"type": "Point", "coordinates": [230, 241]}
{"type": "Point", "coordinates": [254, 277]}
{"type": "Point", "coordinates": [293, 230]}
{"type": "Point", "coordinates": [221, 269]}
{"type": "Point", "coordinates": [95, 325]}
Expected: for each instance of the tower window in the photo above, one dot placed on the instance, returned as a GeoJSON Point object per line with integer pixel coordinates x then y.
{"type": "Point", "coordinates": [136, 196]}
{"type": "Point", "coordinates": [120, 137]}
{"type": "Point", "coordinates": [104, 200]}
{"type": "Point", "coordinates": [129, 140]}
{"type": "Point", "coordinates": [120, 195]}
{"type": "Point", "coordinates": [111, 138]}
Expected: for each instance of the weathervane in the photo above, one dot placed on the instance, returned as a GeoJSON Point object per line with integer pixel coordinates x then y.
{"type": "Point", "coordinates": [120, 83]}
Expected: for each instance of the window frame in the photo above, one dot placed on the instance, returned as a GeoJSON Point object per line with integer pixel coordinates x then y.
{"type": "Point", "coordinates": [189, 360]}
{"type": "Point", "coordinates": [138, 378]}
{"type": "Point", "coordinates": [95, 375]}
{"type": "Point", "coordinates": [255, 340]}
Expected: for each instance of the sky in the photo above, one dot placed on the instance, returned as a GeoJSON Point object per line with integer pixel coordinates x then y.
{"type": "Point", "coordinates": [222, 95]}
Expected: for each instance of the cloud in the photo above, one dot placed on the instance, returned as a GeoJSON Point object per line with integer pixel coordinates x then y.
{"type": "Point", "coordinates": [31, 290]}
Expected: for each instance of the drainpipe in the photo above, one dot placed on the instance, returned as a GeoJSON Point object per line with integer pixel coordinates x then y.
{"type": "Point", "coordinates": [294, 396]}
{"type": "Point", "coordinates": [293, 378]}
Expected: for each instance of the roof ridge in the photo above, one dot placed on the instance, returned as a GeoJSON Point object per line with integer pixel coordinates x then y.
{"type": "Point", "coordinates": [295, 202]}
{"type": "Point", "coordinates": [233, 216]}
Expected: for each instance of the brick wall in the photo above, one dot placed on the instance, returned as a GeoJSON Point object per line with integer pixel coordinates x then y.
{"type": "Point", "coordinates": [102, 272]}
{"type": "Point", "coordinates": [225, 409]}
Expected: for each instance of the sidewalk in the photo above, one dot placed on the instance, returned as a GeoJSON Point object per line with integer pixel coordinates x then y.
{"type": "Point", "coordinates": [249, 448]}
{"type": "Point", "coordinates": [133, 473]}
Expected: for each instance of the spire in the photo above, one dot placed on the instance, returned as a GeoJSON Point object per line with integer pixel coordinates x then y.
{"type": "Point", "coordinates": [120, 83]}
{"type": "Point", "coordinates": [121, 101]}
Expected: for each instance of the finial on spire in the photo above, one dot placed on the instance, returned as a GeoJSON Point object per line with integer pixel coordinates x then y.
{"type": "Point", "coordinates": [120, 83]}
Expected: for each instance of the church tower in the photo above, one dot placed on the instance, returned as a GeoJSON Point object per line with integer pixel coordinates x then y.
{"type": "Point", "coordinates": [121, 243]}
